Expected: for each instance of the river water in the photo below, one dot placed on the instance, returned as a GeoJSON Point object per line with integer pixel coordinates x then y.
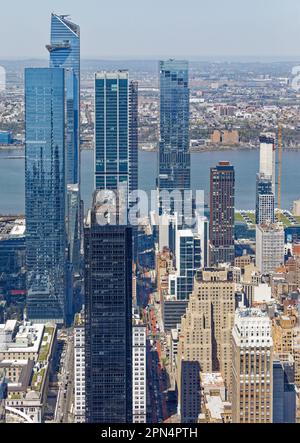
{"type": "Point", "coordinates": [245, 163]}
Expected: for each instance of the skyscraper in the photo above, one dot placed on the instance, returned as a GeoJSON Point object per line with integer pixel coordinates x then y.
{"type": "Point", "coordinates": [252, 367]}
{"type": "Point", "coordinates": [265, 205]}
{"type": "Point", "coordinates": [133, 136]}
{"type": "Point", "coordinates": [112, 130]}
{"type": "Point", "coordinates": [45, 193]}
{"type": "Point", "coordinates": [267, 157]}
{"type": "Point", "coordinates": [64, 52]}
{"type": "Point", "coordinates": [64, 49]}
{"type": "Point", "coordinates": [188, 261]}
{"type": "Point", "coordinates": [221, 227]}
{"type": "Point", "coordinates": [269, 247]}
{"type": "Point", "coordinates": [73, 220]}
{"type": "Point", "coordinates": [202, 229]}
{"type": "Point", "coordinates": [284, 392]}
{"type": "Point", "coordinates": [79, 369]}
{"type": "Point", "coordinates": [174, 156]}
{"type": "Point", "coordinates": [190, 394]}
{"type": "Point", "coordinates": [133, 154]}
{"type": "Point", "coordinates": [108, 322]}
{"type": "Point", "coordinates": [139, 370]}
{"type": "Point", "coordinates": [205, 331]}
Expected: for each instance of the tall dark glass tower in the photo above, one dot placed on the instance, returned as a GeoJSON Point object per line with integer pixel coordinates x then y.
{"type": "Point", "coordinates": [108, 327]}
{"type": "Point", "coordinates": [45, 193]}
{"type": "Point", "coordinates": [133, 155]}
{"type": "Point", "coordinates": [133, 136]}
{"type": "Point", "coordinates": [174, 156]}
{"type": "Point", "coordinates": [222, 186]}
{"type": "Point", "coordinates": [64, 52]}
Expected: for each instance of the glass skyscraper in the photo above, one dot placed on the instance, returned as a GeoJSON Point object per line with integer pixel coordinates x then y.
{"type": "Point", "coordinates": [284, 392]}
{"type": "Point", "coordinates": [174, 156]}
{"type": "Point", "coordinates": [133, 136]}
{"type": "Point", "coordinates": [64, 49]}
{"type": "Point", "coordinates": [108, 322]}
{"type": "Point", "coordinates": [45, 193]}
{"type": "Point", "coordinates": [188, 261]}
{"type": "Point", "coordinates": [64, 52]}
{"type": "Point", "coordinates": [111, 130]}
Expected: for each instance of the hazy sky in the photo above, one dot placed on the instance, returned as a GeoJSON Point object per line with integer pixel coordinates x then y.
{"type": "Point", "coordinates": [156, 28]}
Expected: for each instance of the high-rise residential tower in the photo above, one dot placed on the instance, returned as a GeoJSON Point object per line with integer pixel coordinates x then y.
{"type": "Point", "coordinates": [174, 156]}
{"type": "Point", "coordinates": [252, 367]}
{"type": "Point", "coordinates": [64, 50]}
{"type": "Point", "coordinates": [221, 227]}
{"type": "Point", "coordinates": [116, 131]}
{"type": "Point", "coordinates": [108, 321]}
{"type": "Point", "coordinates": [269, 247]}
{"type": "Point", "coordinates": [133, 136]}
{"type": "Point", "coordinates": [265, 204]}
{"type": "Point", "coordinates": [267, 157]}
{"type": "Point", "coordinates": [45, 193]}
{"type": "Point", "coordinates": [112, 130]}
{"type": "Point", "coordinates": [133, 154]}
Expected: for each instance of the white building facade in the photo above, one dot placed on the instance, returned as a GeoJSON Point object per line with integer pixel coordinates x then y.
{"type": "Point", "coordinates": [139, 391]}
{"type": "Point", "coordinates": [267, 158]}
{"type": "Point", "coordinates": [79, 373]}
{"type": "Point", "coordinates": [269, 247]}
{"type": "Point", "coordinates": [252, 371]}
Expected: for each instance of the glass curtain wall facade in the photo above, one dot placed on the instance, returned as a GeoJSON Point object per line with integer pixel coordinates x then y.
{"type": "Point", "coordinates": [174, 156]}
{"type": "Point", "coordinates": [64, 49]}
{"type": "Point", "coordinates": [133, 136]}
{"type": "Point", "coordinates": [64, 52]}
{"type": "Point", "coordinates": [45, 193]}
{"type": "Point", "coordinates": [188, 261]}
{"type": "Point", "coordinates": [111, 130]}
{"type": "Point", "coordinates": [108, 323]}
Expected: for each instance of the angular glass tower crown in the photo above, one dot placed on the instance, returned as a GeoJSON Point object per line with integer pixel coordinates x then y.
{"type": "Point", "coordinates": [64, 52]}
{"type": "Point", "coordinates": [45, 193]}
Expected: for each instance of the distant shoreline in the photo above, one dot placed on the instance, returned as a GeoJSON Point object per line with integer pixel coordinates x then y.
{"type": "Point", "coordinates": [11, 150]}
{"type": "Point", "coordinates": [223, 149]}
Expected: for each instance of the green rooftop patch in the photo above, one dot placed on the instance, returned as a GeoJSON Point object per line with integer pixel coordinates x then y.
{"type": "Point", "coordinates": [37, 379]}
{"type": "Point", "coordinates": [46, 342]}
{"type": "Point", "coordinates": [239, 218]}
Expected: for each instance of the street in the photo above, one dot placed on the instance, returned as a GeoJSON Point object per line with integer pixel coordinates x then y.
{"type": "Point", "coordinates": [65, 398]}
{"type": "Point", "coordinates": [157, 377]}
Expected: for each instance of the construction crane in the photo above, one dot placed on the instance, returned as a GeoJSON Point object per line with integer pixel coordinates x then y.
{"type": "Point", "coordinates": [279, 169]}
